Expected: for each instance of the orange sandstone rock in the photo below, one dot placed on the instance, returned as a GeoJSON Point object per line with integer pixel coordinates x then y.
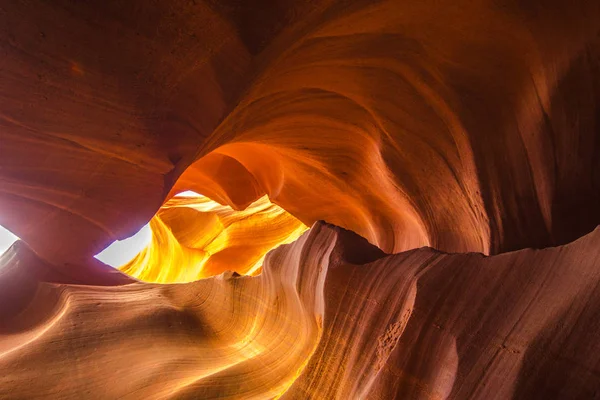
{"type": "Point", "coordinates": [330, 317]}
{"type": "Point", "coordinates": [467, 126]}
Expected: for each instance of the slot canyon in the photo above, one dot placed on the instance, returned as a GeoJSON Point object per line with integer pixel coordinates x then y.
{"type": "Point", "coordinates": [335, 199]}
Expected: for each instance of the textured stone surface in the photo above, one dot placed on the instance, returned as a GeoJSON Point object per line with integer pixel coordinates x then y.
{"type": "Point", "coordinates": [330, 317]}
{"type": "Point", "coordinates": [466, 126]}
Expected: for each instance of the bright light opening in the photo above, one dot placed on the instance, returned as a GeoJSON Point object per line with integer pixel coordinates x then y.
{"type": "Point", "coordinates": [7, 238]}
{"type": "Point", "coordinates": [188, 193]}
{"type": "Point", "coordinates": [123, 251]}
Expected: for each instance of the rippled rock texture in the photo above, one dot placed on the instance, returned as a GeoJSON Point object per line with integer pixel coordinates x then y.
{"type": "Point", "coordinates": [330, 317]}
{"type": "Point", "coordinates": [471, 127]}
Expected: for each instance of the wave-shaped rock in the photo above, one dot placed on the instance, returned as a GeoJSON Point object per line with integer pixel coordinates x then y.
{"type": "Point", "coordinates": [466, 126]}
{"type": "Point", "coordinates": [195, 237]}
{"type": "Point", "coordinates": [330, 317]}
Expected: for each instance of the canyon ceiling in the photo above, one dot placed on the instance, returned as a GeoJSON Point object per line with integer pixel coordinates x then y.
{"type": "Point", "coordinates": [399, 199]}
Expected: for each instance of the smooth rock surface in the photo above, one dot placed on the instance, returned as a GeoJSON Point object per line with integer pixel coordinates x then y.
{"type": "Point", "coordinates": [469, 126]}
{"type": "Point", "coordinates": [330, 317]}
{"type": "Point", "coordinates": [465, 126]}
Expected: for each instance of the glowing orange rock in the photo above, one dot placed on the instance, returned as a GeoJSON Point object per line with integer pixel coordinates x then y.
{"type": "Point", "coordinates": [462, 125]}
{"type": "Point", "coordinates": [330, 317]}
{"type": "Point", "coordinates": [228, 336]}
{"type": "Point", "coordinates": [194, 237]}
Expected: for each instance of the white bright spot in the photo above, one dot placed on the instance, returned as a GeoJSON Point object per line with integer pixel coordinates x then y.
{"type": "Point", "coordinates": [188, 193]}
{"type": "Point", "coordinates": [122, 251]}
{"type": "Point", "coordinates": [7, 238]}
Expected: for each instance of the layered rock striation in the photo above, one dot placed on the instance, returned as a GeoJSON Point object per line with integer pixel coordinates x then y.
{"type": "Point", "coordinates": [330, 317]}
{"type": "Point", "coordinates": [453, 143]}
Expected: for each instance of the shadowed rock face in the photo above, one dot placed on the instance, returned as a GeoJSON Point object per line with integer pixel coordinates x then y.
{"type": "Point", "coordinates": [469, 126]}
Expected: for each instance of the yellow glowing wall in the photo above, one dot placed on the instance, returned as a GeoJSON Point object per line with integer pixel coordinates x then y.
{"type": "Point", "coordinates": [194, 237]}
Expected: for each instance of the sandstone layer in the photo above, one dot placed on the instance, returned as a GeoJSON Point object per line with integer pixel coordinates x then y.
{"type": "Point", "coordinates": [330, 317]}
{"type": "Point", "coordinates": [466, 126]}
{"type": "Point", "coordinates": [454, 143]}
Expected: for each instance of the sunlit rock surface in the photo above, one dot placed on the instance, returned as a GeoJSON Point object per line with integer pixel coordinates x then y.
{"type": "Point", "coordinates": [465, 126]}
{"type": "Point", "coordinates": [194, 237]}
{"type": "Point", "coordinates": [330, 317]}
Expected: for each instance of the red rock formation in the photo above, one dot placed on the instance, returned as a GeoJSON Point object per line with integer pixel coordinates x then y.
{"type": "Point", "coordinates": [467, 126]}
{"type": "Point", "coordinates": [330, 317]}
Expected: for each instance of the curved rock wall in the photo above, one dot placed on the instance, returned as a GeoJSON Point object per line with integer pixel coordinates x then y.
{"type": "Point", "coordinates": [466, 126]}
{"type": "Point", "coordinates": [330, 317]}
